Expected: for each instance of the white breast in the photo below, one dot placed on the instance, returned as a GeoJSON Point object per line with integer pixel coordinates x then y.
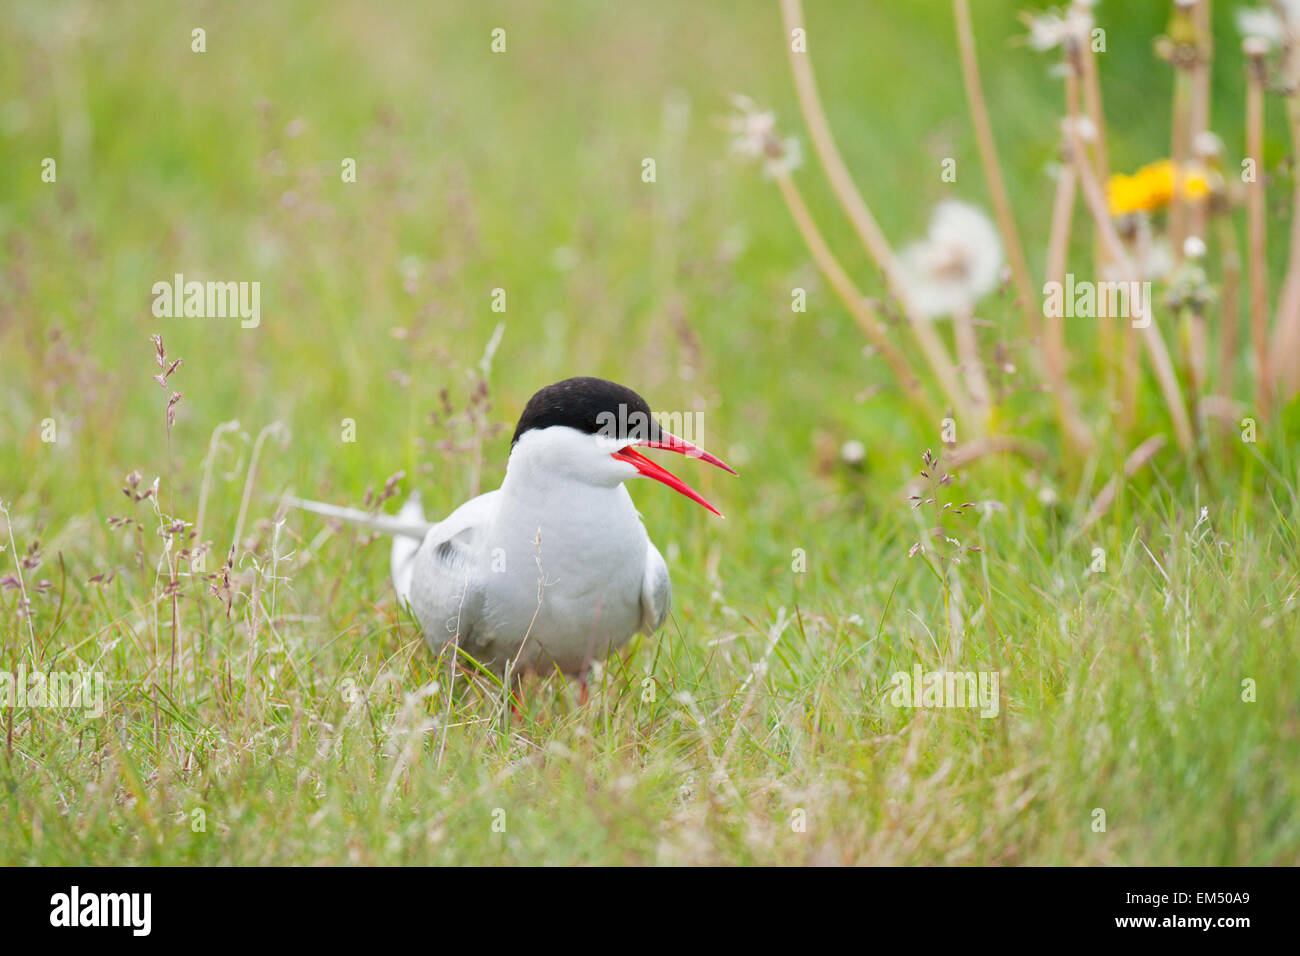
{"type": "Point", "coordinates": [537, 578]}
{"type": "Point", "coordinates": [570, 591]}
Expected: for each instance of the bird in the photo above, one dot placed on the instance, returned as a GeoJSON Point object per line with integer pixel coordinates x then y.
{"type": "Point", "coordinates": [554, 570]}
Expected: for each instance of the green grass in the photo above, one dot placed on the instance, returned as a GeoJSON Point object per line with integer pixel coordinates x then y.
{"type": "Point", "coordinates": [309, 724]}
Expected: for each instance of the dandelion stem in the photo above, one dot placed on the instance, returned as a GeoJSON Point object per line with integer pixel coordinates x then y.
{"type": "Point", "coordinates": [1230, 259]}
{"type": "Point", "coordinates": [1257, 260]}
{"type": "Point", "coordinates": [1128, 384]}
{"type": "Point", "coordinates": [1093, 105]}
{"type": "Point", "coordinates": [1156, 348]}
{"type": "Point", "coordinates": [1200, 355]}
{"type": "Point", "coordinates": [992, 168]}
{"type": "Point", "coordinates": [1200, 93]}
{"type": "Point", "coordinates": [1180, 149]}
{"type": "Point", "coordinates": [1087, 62]}
{"type": "Point", "coordinates": [1072, 424]}
{"type": "Point", "coordinates": [968, 353]}
{"type": "Point", "coordinates": [860, 216]}
{"type": "Point", "coordinates": [1285, 353]}
{"type": "Point", "coordinates": [853, 299]}
{"type": "Point", "coordinates": [1054, 356]}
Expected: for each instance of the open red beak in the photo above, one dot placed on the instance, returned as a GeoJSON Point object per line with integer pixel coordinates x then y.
{"type": "Point", "coordinates": [651, 470]}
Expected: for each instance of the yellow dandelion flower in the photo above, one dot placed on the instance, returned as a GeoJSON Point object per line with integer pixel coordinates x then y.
{"type": "Point", "coordinates": [1196, 182]}
{"type": "Point", "coordinates": [1124, 195]}
{"type": "Point", "coordinates": [1152, 187]}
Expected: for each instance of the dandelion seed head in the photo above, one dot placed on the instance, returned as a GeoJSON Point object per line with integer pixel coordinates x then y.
{"type": "Point", "coordinates": [753, 129]}
{"type": "Point", "coordinates": [1054, 28]}
{"type": "Point", "coordinates": [1255, 46]}
{"type": "Point", "coordinates": [1207, 145]}
{"type": "Point", "coordinates": [1261, 23]}
{"type": "Point", "coordinates": [853, 452]}
{"type": "Point", "coordinates": [756, 137]}
{"type": "Point", "coordinates": [957, 264]}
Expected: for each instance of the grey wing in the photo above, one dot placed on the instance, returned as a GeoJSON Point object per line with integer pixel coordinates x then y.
{"type": "Point", "coordinates": [656, 591]}
{"type": "Point", "coordinates": [446, 591]}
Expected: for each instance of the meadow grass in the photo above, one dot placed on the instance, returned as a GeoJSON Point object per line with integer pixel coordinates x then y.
{"type": "Point", "coordinates": [288, 712]}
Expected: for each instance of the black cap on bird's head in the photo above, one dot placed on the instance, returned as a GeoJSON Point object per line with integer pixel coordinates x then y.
{"type": "Point", "coordinates": [594, 406]}
{"type": "Point", "coordinates": [599, 407]}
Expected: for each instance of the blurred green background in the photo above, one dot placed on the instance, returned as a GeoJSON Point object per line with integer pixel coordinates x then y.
{"type": "Point", "coordinates": [479, 171]}
{"type": "Point", "coordinates": [519, 171]}
{"type": "Point", "coordinates": [522, 171]}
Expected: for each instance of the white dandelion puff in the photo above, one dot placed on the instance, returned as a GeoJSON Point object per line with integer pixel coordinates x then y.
{"type": "Point", "coordinates": [1207, 145]}
{"type": "Point", "coordinates": [1053, 28]}
{"type": "Point", "coordinates": [756, 137]}
{"type": "Point", "coordinates": [753, 128]}
{"type": "Point", "coordinates": [1261, 23]}
{"type": "Point", "coordinates": [853, 452]}
{"type": "Point", "coordinates": [957, 264]}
